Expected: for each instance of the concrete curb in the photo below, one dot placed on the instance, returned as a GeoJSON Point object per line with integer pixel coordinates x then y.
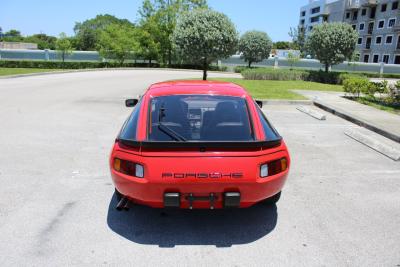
{"type": "Point", "coordinates": [103, 69]}
{"type": "Point", "coordinates": [345, 115]}
{"type": "Point", "coordinates": [313, 113]}
{"type": "Point", "coordinates": [376, 145]}
{"type": "Point", "coordinates": [285, 102]}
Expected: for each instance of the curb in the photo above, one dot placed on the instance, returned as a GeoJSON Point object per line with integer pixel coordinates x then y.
{"type": "Point", "coordinates": [102, 69]}
{"type": "Point", "coordinates": [360, 122]}
{"type": "Point", "coordinates": [374, 144]}
{"type": "Point", "coordinates": [285, 102]}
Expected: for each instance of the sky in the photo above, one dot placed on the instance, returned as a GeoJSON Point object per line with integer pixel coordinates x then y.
{"type": "Point", "coordinates": [53, 17]}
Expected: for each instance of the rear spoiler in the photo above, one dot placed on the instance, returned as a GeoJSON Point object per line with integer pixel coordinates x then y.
{"type": "Point", "coordinates": [202, 144]}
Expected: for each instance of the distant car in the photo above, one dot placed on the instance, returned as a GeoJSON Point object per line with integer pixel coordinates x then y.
{"type": "Point", "coordinates": [195, 144]}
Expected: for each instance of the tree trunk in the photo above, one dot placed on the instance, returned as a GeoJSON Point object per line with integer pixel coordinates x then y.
{"type": "Point", "coordinates": [169, 57]}
{"type": "Point", "coordinates": [205, 67]}
{"type": "Point", "coordinates": [326, 67]}
{"type": "Point", "coordinates": [249, 64]}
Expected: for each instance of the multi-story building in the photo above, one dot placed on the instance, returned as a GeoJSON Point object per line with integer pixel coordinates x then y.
{"type": "Point", "coordinates": [319, 11]}
{"type": "Point", "coordinates": [377, 22]}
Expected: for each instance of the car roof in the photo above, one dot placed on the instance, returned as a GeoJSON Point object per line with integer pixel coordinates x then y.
{"type": "Point", "coordinates": [195, 87]}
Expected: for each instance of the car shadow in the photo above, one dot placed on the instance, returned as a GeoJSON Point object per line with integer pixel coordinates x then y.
{"type": "Point", "coordinates": [167, 228]}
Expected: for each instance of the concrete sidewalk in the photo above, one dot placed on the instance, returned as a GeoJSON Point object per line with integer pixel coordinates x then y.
{"type": "Point", "coordinates": [379, 121]}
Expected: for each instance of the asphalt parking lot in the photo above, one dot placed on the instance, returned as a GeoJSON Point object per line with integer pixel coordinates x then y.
{"type": "Point", "coordinates": [340, 207]}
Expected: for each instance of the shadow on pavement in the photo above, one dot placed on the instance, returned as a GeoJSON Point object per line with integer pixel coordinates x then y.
{"type": "Point", "coordinates": [222, 228]}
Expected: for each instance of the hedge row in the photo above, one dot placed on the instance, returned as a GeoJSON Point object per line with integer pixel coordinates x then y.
{"type": "Point", "coordinates": [274, 74]}
{"type": "Point", "coordinates": [296, 75]}
{"type": "Point", "coordinates": [93, 65]}
{"type": "Point", "coordinates": [305, 75]}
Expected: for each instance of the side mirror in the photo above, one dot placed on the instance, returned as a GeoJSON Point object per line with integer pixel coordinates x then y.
{"type": "Point", "coordinates": [131, 102]}
{"type": "Point", "coordinates": [259, 103]}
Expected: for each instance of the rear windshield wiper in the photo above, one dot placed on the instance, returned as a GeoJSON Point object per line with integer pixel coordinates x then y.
{"type": "Point", "coordinates": [165, 129]}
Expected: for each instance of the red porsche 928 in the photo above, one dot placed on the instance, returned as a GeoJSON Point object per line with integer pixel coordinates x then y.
{"type": "Point", "coordinates": [198, 145]}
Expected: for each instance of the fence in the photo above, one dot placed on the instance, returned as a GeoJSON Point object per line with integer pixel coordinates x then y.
{"type": "Point", "coordinates": [90, 56]}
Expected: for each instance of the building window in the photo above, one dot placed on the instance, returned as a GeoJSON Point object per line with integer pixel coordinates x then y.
{"type": "Point", "coordinates": [372, 14]}
{"type": "Point", "coordinates": [378, 40]}
{"type": "Point", "coordinates": [370, 27]}
{"type": "Point", "coordinates": [381, 24]}
{"type": "Point", "coordinates": [397, 59]}
{"type": "Point", "coordinates": [398, 43]}
{"type": "Point", "coordinates": [366, 58]}
{"type": "Point", "coordinates": [386, 59]}
{"type": "Point", "coordinates": [389, 39]}
{"type": "Point", "coordinates": [364, 12]}
{"type": "Point", "coordinates": [310, 28]}
{"type": "Point", "coordinates": [375, 59]}
{"type": "Point", "coordinates": [302, 22]}
{"type": "Point", "coordinates": [314, 19]}
{"type": "Point", "coordinates": [355, 15]}
{"type": "Point", "coordinates": [347, 15]}
{"type": "Point", "coordinates": [303, 13]}
{"type": "Point", "coordinates": [383, 7]}
{"type": "Point", "coordinates": [362, 26]}
{"type": "Point", "coordinates": [315, 10]}
{"type": "Point", "coordinates": [395, 5]}
{"type": "Point", "coordinates": [391, 23]}
{"type": "Point", "coordinates": [368, 43]}
{"type": "Point", "coordinates": [354, 26]}
{"type": "Point", "coordinates": [360, 40]}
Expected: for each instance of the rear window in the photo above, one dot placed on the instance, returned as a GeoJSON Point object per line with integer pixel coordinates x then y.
{"type": "Point", "coordinates": [199, 118]}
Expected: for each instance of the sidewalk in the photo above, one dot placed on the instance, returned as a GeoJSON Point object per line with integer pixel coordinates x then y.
{"type": "Point", "coordinates": [379, 121]}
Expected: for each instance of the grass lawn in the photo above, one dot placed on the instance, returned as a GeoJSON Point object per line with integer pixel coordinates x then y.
{"type": "Point", "coordinates": [267, 89]}
{"type": "Point", "coordinates": [15, 71]}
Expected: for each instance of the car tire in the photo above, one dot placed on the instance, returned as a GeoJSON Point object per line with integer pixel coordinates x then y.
{"type": "Point", "coordinates": [273, 200]}
{"type": "Point", "coordinates": [118, 195]}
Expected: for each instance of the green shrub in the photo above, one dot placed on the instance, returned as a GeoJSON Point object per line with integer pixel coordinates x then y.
{"type": "Point", "coordinates": [356, 86]}
{"type": "Point", "coordinates": [331, 77]}
{"type": "Point", "coordinates": [274, 74]}
{"type": "Point", "coordinates": [393, 94]}
{"type": "Point", "coordinates": [239, 69]}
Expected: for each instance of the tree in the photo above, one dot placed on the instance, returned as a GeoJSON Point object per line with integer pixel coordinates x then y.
{"type": "Point", "coordinates": [282, 45]}
{"type": "Point", "coordinates": [292, 58]}
{"type": "Point", "coordinates": [163, 16]}
{"type": "Point", "coordinates": [42, 40]}
{"type": "Point", "coordinates": [255, 46]}
{"type": "Point", "coordinates": [332, 43]}
{"type": "Point", "coordinates": [88, 32]}
{"type": "Point", "coordinates": [298, 39]}
{"type": "Point", "coordinates": [118, 42]}
{"type": "Point", "coordinates": [203, 36]}
{"type": "Point", "coordinates": [63, 47]}
{"type": "Point", "coordinates": [12, 36]}
{"type": "Point", "coordinates": [149, 48]}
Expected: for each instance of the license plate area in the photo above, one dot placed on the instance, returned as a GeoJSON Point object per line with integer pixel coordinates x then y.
{"type": "Point", "coordinates": [211, 198]}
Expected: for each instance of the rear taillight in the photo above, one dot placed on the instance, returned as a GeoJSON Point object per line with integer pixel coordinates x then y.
{"type": "Point", "coordinates": [128, 168]}
{"type": "Point", "coordinates": [273, 167]}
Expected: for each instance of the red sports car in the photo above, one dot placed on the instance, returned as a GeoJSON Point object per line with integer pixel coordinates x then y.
{"type": "Point", "coordinates": [195, 144]}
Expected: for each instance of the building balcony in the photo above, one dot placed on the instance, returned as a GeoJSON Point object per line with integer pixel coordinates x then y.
{"type": "Point", "coordinates": [353, 5]}
{"type": "Point", "coordinates": [370, 3]}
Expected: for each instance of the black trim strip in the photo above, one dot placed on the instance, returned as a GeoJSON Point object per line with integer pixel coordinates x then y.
{"type": "Point", "coordinates": [202, 144]}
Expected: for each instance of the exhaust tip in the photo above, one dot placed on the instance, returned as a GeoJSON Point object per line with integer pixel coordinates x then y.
{"type": "Point", "coordinates": [122, 203]}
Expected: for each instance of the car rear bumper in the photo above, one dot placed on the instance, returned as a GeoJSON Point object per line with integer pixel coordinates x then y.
{"type": "Point", "coordinates": [200, 193]}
